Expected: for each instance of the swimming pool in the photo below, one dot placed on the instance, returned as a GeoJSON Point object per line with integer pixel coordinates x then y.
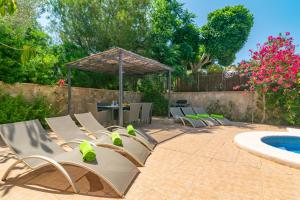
{"type": "Point", "coordinates": [281, 147]}
{"type": "Point", "coordinates": [288, 143]}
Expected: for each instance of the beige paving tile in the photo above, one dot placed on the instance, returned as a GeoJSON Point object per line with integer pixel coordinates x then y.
{"type": "Point", "coordinates": [202, 193]}
{"type": "Point", "coordinates": [281, 186]}
{"type": "Point", "coordinates": [228, 153]}
{"type": "Point", "coordinates": [247, 159]}
{"type": "Point", "coordinates": [188, 144]}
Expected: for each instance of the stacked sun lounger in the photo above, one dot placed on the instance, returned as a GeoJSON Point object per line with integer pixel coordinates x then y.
{"type": "Point", "coordinates": [113, 164]}
{"type": "Point", "coordinates": [197, 117]}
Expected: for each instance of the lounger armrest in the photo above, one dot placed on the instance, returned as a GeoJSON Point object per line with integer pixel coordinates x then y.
{"type": "Point", "coordinates": [120, 127]}
{"type": "Point", "coordinates": [48, 160]}
{"type": "Point", "coordinates": [70, 142]}
{"type": "Point", "coordinates": [138, 131]}
{"type": "Point", "coordinates": [105, 132]}
{"type": "Point", "coordinates": [101, 131]}
{"type": "Point", "coordinates": [114, 127]}
{"type": "Point", "coordinates": [77, 141]}
{"type": "Point", "coordinates": [89, 134]}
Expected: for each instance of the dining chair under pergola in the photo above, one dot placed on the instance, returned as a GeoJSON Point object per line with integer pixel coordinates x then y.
{"type": "Point", "coordinates": [118, 61]}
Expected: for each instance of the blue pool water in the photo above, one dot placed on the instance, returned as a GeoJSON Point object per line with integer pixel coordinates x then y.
{"type": "Point", "coordinates": [288, 143]}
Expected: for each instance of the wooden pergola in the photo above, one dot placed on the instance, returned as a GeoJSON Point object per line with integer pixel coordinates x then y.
{"type": "Point", "coordinates": [118, 61]}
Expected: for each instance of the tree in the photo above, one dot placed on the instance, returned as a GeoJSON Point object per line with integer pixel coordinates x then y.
{"type": "Point", "coordinates": [19, 34]}
{"type": "Point", "coordinates": [225, 33]}
{"type": "Point", "coordinates": [7, 6]}
{"type": "Point", "coordinates": [202, 60]}
{"type": "Point", "coordinates": [95, 25]}
{"type": "Point", "coordinates": [38, 69]}
{"type": "Point", "coordinates": [174, 37]}
{"type": "Point", "coordinates": [92, 26]}
{"type": "Point", "coordinates": [24, 17]}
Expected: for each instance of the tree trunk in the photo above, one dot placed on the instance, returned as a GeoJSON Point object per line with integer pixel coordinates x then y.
{"type": "Point", "coordinates": [264, 109]}
{"type": "Point", "coordinates": [205, 59]}
{"type": "Point", "coordinates": [252, 109]}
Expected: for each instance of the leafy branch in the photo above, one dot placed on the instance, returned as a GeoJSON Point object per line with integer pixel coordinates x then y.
{"type": "Point", "coordinates": [7, 6]}
{"type": "Point", "coordinates": [10, 6]}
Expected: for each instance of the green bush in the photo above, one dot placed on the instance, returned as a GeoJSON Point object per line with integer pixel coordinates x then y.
{"type": "Point", "coordinates": [283, 108]}
{"type": "Point", "coordinates": [15, 109]}
{"type": "Point", "coordinates": [215, 69]}
{"type": "Point", "coordinates": [215, 107]}
{"type": "Point", "coordinates": [160, 103]}
{"type": "Point", "coordinates": [152, 89]}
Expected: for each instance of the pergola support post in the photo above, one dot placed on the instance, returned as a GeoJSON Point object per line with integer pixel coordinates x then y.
{"type": "Point", "coordinates": [121, 88]}
{"type": "Point", "coordinates": [169, 92]}
{"type": "Point", "coordinates": [69, 91]}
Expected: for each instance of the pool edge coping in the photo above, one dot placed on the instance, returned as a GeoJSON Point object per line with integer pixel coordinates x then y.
{"type": "Point", "coordinates": [251, 142]}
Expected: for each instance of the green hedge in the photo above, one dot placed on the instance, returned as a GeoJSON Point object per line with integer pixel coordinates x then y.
{"type": "Point", "coordinates": [160, 103]}
{"type": "Point", "coordinates": [15, 109]}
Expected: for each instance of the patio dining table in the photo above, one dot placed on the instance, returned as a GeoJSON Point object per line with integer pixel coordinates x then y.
{"type": "Point", "coordinates": [113, 108]}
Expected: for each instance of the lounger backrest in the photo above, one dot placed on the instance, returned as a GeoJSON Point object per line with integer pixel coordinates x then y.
{"type": "Point", "coordinates": [188, 110]}
{"type": "Point", "coordinates": [134, 113]}
{"type": "Point", "coordinates": [28, 138]}
{"type": "Point", "coordinates": [88, 121]}
{"type": "Point", "coordinates": [199, 110]}
{"type": "Point", "coordinates": [66, 128]}
{"type": "Point", "coordinates": [146, 110]}
{"type": "Point", "coordinates": [176, 112]}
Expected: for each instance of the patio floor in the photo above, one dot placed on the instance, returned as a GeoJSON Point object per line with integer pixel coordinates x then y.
{"type": "Point", "coordinates": [196, 164]}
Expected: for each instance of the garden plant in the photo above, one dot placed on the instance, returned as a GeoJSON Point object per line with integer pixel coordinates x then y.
{"type": "Point", "coordinates": [274, 73]}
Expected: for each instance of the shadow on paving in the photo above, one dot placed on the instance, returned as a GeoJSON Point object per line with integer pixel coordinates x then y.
{"type": "Point", "coordinates": [165, 129]}
{"type": "Point", "coordinates": [49, 180]}
{"type": "Point", "coordinates": [6, 156]}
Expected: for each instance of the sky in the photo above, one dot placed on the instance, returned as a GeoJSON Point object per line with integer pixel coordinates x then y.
{"type": "Point", "coordinates": [271, 17]}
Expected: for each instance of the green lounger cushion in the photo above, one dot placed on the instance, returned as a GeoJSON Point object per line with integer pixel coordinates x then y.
{"type": "Point", "coordinates": [131, 130]}
{"type": "Point", "coordinates": [203, 115]}
{"type": "Point", "coordinates": [88, 152]}
{"type": "Point", "coordinates": [116, 139]}
{"type": "Point", "coordinates": [192, 117]}
{"type": "Point", "coordinates": [217, 116]}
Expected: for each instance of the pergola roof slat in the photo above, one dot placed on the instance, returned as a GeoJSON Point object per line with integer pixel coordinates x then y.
{"type": "Point", "coordinates": [108, 62]}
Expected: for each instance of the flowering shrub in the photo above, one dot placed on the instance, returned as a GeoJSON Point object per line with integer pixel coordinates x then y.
{"type": "Point", "coordinates": [61, 82]}
{"type": "Point", "coordinates": [274, 72]}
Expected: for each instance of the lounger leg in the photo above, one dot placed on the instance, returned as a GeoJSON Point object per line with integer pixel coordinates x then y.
{"type": "Point", "coordinates": [50, 161]}
{"type": "Point", "coordinates": [182, 120]}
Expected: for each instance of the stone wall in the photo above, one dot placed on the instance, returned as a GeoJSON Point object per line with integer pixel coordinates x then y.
{"type": "Point", "coordinates": [238, 105]}
{"type": "Point", "coordinates": [59, 95]}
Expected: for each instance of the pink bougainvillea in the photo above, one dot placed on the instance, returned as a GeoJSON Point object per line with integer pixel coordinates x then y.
{"type": "Point", "coordinates": [274, 66]}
